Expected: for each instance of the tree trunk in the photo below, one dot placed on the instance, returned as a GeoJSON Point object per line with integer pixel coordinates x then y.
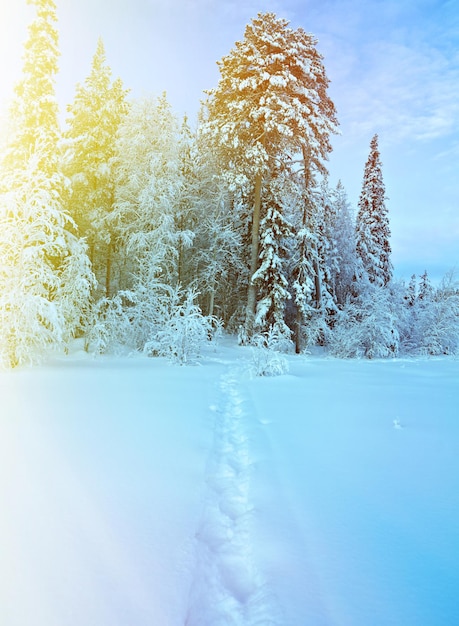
{"type": "Point", "coordinates": [307, 218]}
{"type": "Point", "coordinates": [212, 300]}
{"type": "Point", "coordinates": [298, 331]}
{"type": "Point", "coordinates": [252, 291]}
{"type": "Point", "coordinates": [180, 255]}
{"type": "Point", "coordinates": [108, 270]}
{"type": "Point", "coordinates": [317, 285]}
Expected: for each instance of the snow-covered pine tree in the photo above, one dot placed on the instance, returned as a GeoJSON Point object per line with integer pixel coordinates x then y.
{"type": "Point", "coordinates": [327, 246]}
{"type": "Point", "coordinates": [95, 115]}
{"type": "Point", "coordinates": [45, 274]}
{"type": "Point", "coordinates": [304, 270]}
{"type": "Point", "coordinates": [185, 214]}
{"type": "Point", "coordinates": [343, 234]}
{"type": "Point", "coordinates": [270, 106]}
{"type": "Point", "coordinates": [425, 290]}
{"type": "Point", "coordinates": [149, 185]}
{"type": "Point", "coordinates": [45, 278]}
{"type": "Point", "coordinates": [372, 225]}
{"type": "Point", "coordinates": [215, 265]}
{"type": "Point", "coordinates": [270, 277]}
{"type": "Point", "coordinates": [34, 112]}
{"type": "Point", "coordinates": [412, 291]}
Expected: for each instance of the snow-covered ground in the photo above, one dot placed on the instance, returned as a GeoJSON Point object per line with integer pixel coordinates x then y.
{"type": "Point", "coordinates": [137, 493]}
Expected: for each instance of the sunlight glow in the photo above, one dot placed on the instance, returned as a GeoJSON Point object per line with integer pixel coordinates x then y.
{"type": "Point", "coordinates": [14, 19]}
{"type": "Point", "coordinates": [54, 537]}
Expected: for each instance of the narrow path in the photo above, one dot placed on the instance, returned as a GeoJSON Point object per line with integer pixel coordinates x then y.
{"type": "Point", "coordinates": [228, 590]}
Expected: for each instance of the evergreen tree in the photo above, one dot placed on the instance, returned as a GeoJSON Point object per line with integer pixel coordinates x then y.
{"type": "Point", "coordinates": [372, 227]}
{"type": "Point", "coordinates": [327, 246]}
{"type": "Point", "coordinates": [34, 113]}
{"type": "Point", "coordinates": [95, 115]}
{"type": "Point", "coordinates": [45, 275]}
{"type": "Point", "coordinates": [45, 279]}
{"type": "Point", "coordinates": [271, 275]}
{"type": "Point", "coordinates": [426, 291]}
{"type": "Point", "coordinates": [149, 185]}
{"type": "Point", "coordinates": [185, 215]}
{"type": "Point", "coordinates": [270, 105]}
{"type": "Point", "coordinates": [215, 262]}
{"type": "Point", "coordinates": [343, 237]}
{"type": "Point", "coordinates": [412, 291]}
{"type": "Point", "coordinates": [304, 271]}
{"type": "Point", "coordinates": [321, 256]}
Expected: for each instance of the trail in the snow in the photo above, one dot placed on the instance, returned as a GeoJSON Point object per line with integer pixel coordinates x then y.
{"type": "Point", "coordinates": [228, 590]}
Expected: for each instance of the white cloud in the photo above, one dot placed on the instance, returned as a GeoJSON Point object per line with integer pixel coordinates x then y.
{"type": "Point", "coordinates": [405, 93]}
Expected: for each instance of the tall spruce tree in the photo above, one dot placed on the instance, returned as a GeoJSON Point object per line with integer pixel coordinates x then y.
{"type": "Point", "coordinates": [34, 113]}
{"type": "Point", "coordinates": [149, 184]}
{"type": "Point", "coordinates": [270, 106]}
{"type": "Point", "coordinates": [185, 216]}
{"type": "Point", "coordinates": [214, 264]}
{"type": "Point", "coordinates": [343, 234]}
{"type": "Point", "coordinates": [45, 279]}
{"type": "Point", "coordinates": [327, 246]}
{"type": "Point", "coordinates": [271, 276]}
{"type": "Point", "coordinates": [372, 225]}
{"type": "Point", "coordinates": [95, 115]}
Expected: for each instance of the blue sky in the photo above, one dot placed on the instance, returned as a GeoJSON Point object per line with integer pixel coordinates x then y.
{"type": "Point", "coordinates": [394, 70]}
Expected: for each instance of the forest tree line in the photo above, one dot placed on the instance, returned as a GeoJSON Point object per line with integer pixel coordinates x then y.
{"type": "Point", "coordinates": [128, 226]}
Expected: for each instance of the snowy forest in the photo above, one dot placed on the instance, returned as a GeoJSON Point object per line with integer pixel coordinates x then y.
{"type": "Point", "coordinates": [130, 228]}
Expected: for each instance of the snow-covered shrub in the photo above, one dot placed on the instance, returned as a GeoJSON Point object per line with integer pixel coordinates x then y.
{"type": "Point", "coordinates": [132, 317]}
{"type": "Point", "coordinates": [367, 327]}
{"type": "Point", "coordinates": [152, 317]}
{"type": "Point", "coordinates": [438, 326]}
{"type": "Point", "coordinates": [433, 317]}
{"type": "Point", "coordinates": [267, 359]}
{"type": "Point", "coordinates": [387, 321]}
{"type": "Point", "coordinates": [75, 286]}
{"type": "Point", "coordinates": [441, 329]}
{"type": "Point", "coordinates": [109, 326]}
{"type": "Point", "coordinates": [315, 329]}
{"type": "Point", "coordinates": [185, 331]}
{"type": "Point", "coordinates": [30, 327]}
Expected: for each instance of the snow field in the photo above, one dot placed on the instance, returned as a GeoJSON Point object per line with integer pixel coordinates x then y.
{"type": "Point", "coordinates": [228, 588]}
{"type": "Point", "coordinates": [360, 516]}
{"type": "Point", "coordinates": [135, 493]}
{"type": "Point", "coordinates": [102, 480]}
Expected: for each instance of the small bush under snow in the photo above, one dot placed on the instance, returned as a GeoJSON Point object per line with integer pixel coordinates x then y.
{"type": "Point", "coordinates": [183, 335]}
{"type": "Point", "coordinates": [267, 359]}
{"type": "Point", "coordinates": [366, 327]}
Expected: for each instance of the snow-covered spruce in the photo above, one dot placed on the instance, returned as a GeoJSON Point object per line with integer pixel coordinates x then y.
{"type": "Point", "coordinates": [270, 276]}
{"type": "Point", "coordinates": [45, 275]}
{"type": "Point", "coordinates": [88, 147]}
{"type": "Point", "coordinates": [146, 219]}
{"type": "Point", "coordinates": [372, 225]}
